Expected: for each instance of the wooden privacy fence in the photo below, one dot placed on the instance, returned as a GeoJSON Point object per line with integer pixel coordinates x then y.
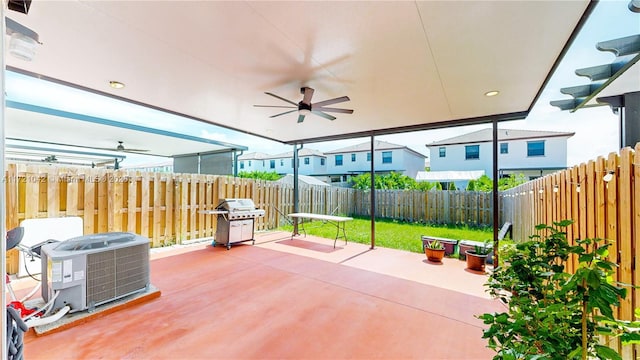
{"type": "Point", "coordinates": [161, 206]}
{"type": "Point", "coordinates": [434, 207]}
{"type": "Point", "coordinates": [166, 207]}
{"type": "Point", "coordinates": [602, 197]}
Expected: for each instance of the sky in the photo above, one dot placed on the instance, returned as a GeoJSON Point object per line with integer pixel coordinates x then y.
{"type": "Point", "coordinates": [596, 129]}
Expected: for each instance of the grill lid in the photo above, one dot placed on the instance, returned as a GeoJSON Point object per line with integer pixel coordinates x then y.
{"type": "Point", "coordinates": [233, 205]}
{"type": "Point", "coordinates": [237, 205]}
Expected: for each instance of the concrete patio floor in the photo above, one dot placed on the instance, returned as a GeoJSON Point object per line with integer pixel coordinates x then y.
{"type": "Point", "coordinates": [292, 299]}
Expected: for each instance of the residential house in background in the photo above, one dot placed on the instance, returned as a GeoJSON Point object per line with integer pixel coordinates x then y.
{"type": "Point", "coordinates": [312, 162]}
{"type": "Point", "coordinates": [338, 166]}
{"type": "Point", "coordinates": [532, 153]}
{"type": "Point", "coordinates": [355, 160]}
{"type": "Point", "coordinates": [254, 161]}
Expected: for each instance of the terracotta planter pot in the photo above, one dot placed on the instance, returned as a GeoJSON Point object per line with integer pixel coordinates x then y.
{"type": "Point", "coordinates": [469, 245]}
{"type": "Point", "coordinates": [449, 244]}
{"type": "Point", "coordinates": [475, 261]}
{"type": "Point", "coordinates": [434, 255]}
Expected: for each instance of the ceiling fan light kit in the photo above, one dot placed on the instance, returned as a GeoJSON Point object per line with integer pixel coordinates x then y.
{"type": "Point", "coordinates": [121, 148]}
{"type": "Point", "coordinates": [305, 107]}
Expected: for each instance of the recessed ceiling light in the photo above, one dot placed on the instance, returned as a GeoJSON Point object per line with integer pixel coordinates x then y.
{"type": "Point", "coordinates": [492, 93]}
{"type": "Point", "coordinates": [116, 84]}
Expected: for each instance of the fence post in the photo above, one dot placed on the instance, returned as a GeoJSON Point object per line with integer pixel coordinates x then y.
{"type": "Point", "coordinates": [446, 206]}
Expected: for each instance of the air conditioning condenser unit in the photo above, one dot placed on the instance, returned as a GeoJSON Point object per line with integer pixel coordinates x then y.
{"type": "Point", "coordinates": [87, 271]}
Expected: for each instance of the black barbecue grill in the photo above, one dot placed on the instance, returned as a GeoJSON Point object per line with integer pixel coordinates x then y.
{"type": "Point", "coordinates": [235, 221]}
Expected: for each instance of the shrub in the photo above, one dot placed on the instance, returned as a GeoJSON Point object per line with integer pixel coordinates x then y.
{"type": "Point", "coordinates": [391, 181]}
{"type": "Point", "coordinates": [553, 314]}
{"type": "Point", "coordinates": [260, 175]}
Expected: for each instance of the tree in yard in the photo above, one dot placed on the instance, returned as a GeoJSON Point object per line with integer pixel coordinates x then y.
{"type": "Point", "coordinates": [484, 183]}
{"type": "Point", "coordinates": [260, 175]}
{"type": "Point", "coordinates": [391, 181]}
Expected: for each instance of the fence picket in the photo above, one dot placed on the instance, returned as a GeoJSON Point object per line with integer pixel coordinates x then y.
{"type": "Point", "coordinates": [608, 209]}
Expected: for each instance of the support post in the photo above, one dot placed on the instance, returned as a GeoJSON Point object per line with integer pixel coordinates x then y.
{"type": "Point", "coordinates": [236, 155]}
{"type": "Point", "coordinates": [296, 196]}
{"type": "Point", "coordinates": [627, 106]}
{"type": "Point", "coordinates": [3, 202]}
{"type": "Point", "coordinates": [496, 195]}
{"type": "Point", "coordinates": [373, 193]}
{"type": "Point", "coordinates": [631, 119]}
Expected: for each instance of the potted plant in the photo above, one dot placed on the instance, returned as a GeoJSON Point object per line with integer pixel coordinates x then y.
{"type": "Point", "coordinates": [449, 244]}
{"type": "Point", "coordinates": [477, 257]}
{"type": "Point", "coordinates": [434, 251]}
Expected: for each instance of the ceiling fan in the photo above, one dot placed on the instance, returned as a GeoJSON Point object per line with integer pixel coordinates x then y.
{"type": "Point", "coordinates": [50, 159]}
{"type": "Point", "coordinates": [305, 107]}
{"type": "Point", "coordinates": [121, 148]}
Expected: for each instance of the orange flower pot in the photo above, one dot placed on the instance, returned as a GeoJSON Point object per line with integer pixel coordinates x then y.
{"type": "Point", "coordinates": [434, 255]}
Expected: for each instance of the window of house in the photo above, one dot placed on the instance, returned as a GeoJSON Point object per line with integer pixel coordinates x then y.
{"type": "Point", "coordinates": [442, 151]}
{"type": "Point", "coordinates": [272, 164]}
{"type": "Point", "coordinates": [338, 160]}
{"type": "Point", "coordinates": [353, 157]}
{"type": "Point", "coordinates": [306, 161]}
{"type": "Point", "coordinates": [241, 164]}
{"type": "Point", "coordinates": [535, 148]}
{"type": "Point", "coordinates": [321, 161]}
{"type": "Point", "coordinates": [504, 148]}
{"type": "Point", "coordinates": [386, 157]}
{"type": "Point", "coordinates": [472, 152]}
{"type": "Point", "coordinates": [369, 156]}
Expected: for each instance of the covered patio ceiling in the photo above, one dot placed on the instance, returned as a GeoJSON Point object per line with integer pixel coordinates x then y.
{"type": "Point", "coordinates": [43, 126]}
{"type": "Point", "coordinates": [404, 65]}
{"type": "Point", "coordinates": [52, 115]}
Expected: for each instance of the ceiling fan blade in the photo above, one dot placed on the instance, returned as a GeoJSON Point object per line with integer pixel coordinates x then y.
{"type": "Point", "coordinates": [331, 101]}
{"type": "Point", "coordinates": [281, 98]}
{"type": "Point", "coordinates": [308, 93]}
{"type": "Point", "coordinates": [320, 113]}
{"type": "Point", "coordinates": [300, 118]}
{"type": "Point", "coordinates": [277, 106]}
{"type": "Point", "coordinates": [286, 112]}
{"type": "Point", "coordinates": [343, 111]}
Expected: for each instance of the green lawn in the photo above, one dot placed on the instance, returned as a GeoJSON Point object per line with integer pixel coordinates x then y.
{"type": "Point", "coordinates": [395, 234]}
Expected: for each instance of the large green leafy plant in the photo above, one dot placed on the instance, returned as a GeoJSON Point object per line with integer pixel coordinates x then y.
{"type": "Point", "coordinates": [392, 181]}
{"type": "Point", "coordinates": [553, 314]}
{"type": "Point", "coordinates": [260, 175]}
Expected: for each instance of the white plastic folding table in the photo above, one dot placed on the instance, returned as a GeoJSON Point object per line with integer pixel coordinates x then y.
{"type": "Point", "coordinates": [338, 221]}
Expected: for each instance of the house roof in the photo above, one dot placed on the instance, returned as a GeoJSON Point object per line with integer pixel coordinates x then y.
{"type": "Point", "coordinates": [253, 156]}
{"type": "Point", "coordinates": [284, 155]}
{"type": "Point", "coordinates": [301, 152]}
{"type": "Point", "coordinates": [486, 135]}
{"type": "Point", "coordinates": [403, 64]}
{"type": "Point", "coordinates": [378, 146]}
{"type": "Point", "coordinates": [309, 180]}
